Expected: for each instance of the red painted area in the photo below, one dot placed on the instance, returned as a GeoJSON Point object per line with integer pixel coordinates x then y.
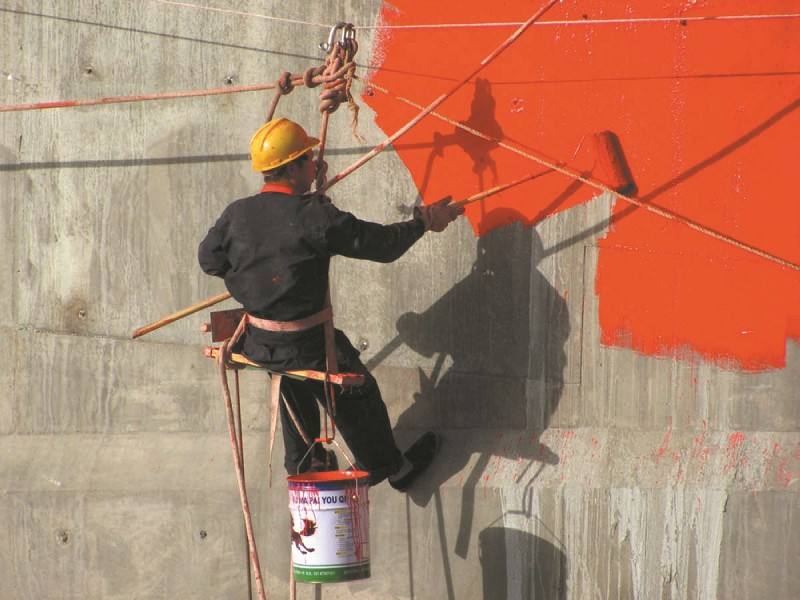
{"type": "Point", "coordinates": [708, 114]}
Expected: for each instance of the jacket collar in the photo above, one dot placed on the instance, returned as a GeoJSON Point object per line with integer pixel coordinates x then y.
{"type": "Point", "coordinates": [281, 188]}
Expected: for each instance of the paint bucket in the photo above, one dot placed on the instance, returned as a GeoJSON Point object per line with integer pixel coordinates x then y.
{"type": "Point", "coordinates": [329, 526]}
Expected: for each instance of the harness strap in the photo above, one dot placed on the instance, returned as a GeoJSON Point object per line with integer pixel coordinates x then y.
{"type": "Point", "coordinates": [275, 394]}
{"type": "Point", "coordinates": [331, 366]}
{"type": "Point", "coordinates": [323, 317]}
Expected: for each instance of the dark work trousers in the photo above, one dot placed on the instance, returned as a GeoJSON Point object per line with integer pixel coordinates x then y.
{"type": "Point", "coordinates": [361, 419]}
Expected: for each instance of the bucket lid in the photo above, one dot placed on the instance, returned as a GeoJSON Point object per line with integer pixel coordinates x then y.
{"type": "Point", "coordinates": [328, 477]}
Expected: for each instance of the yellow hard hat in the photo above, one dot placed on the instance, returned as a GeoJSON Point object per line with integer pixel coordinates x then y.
{"type": "Point", "coordinates": [278, 142]}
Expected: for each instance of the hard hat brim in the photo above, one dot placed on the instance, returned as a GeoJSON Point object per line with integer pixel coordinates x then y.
{"type": "Point", "coordinates": [310, 144]}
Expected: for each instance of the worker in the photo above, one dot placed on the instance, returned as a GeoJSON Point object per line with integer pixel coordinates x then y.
{"type": "Point", "coordinates": [273, 250]}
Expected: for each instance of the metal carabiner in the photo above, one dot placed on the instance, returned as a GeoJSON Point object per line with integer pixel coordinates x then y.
{"type": "Point", "coordinates": [348, 34]}
{"type": "Point", "coordinates": [328, 46]}
{"type": "Point", "coordinates": [348, 41]}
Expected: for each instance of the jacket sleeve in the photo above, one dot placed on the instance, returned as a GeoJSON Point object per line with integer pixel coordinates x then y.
{"type": "Point", "coordinates": [343, 234]}
{"type": "Point", "coordinates": [211, 254]}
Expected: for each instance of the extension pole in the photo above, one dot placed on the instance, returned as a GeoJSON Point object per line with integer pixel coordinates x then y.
{"type": "Point", "coordinates": [500, 188]}
{"type": "Point", "coordinates": [185, 312]}
{"type": "Point", "coordinates": [221, 297]}
{"type": "Point", "coordinates": [433, 105]}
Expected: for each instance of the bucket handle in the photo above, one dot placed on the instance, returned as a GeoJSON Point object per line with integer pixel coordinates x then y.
{"type": "Point", "coordinates": [335, 443]}
{"type": "Point", "coordinates": [329, 441]}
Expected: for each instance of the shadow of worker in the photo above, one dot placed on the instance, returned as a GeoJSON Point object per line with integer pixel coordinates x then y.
{"type": "Point", "coordinates": [497, 340]}
{"type": "Point", "coordinates": [517, 564]}
{"type": "Point", "coordinates": [483, 118]}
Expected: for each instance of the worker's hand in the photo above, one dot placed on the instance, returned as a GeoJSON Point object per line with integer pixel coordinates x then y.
{"type": "Point", "coordinates": [440, 214]}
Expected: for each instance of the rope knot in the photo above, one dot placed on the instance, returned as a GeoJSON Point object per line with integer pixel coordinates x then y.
{"type": "Point", "coordinates": [311, 77]}
{"type": "Point", "coordinates": [285, 83]}
{"type": "Point", "coordinates": [337, 79]}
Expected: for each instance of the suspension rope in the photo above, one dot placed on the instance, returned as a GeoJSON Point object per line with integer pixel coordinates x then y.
{"type": "Point", "coordinates": [239, 468]}
{"type": "Point", "coordinates": [560, 167]}
{"type": "Point", "coordinates": [311, 78]}
{"type": "Point", "coordinates": [621, 21]}
{"type": "Point", "coordinates": [242, 13]}
{"type": "Point", "coordinates": [626, 21]}
{"type": "Point", "coordinates": [145, 97]}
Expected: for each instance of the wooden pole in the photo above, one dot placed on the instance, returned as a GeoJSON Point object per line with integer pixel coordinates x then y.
{"type": "Point", "coordinates": [500, 188]}
{"type": "Point", "coordinates": [189, 310]}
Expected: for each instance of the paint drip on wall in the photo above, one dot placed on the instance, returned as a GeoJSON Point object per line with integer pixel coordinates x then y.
{"type": "Point", "coordinates": [708, 114]}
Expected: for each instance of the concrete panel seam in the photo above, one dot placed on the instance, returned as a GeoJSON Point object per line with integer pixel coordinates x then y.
{"type": "Point", "coordinates": [99, 336]}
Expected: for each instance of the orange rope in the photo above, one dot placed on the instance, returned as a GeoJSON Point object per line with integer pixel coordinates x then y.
{"type": "Point", "coordinates": [239, 467]}
{"type": "Point", "coordinates": [143, 97]}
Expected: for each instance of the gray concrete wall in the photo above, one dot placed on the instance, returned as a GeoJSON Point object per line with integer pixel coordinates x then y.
{"type": "Point", "coordinates": [568, 470]}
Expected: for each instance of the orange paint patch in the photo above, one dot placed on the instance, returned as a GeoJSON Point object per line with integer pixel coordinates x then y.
{"type": "Point", "coordinates": [708, 115]}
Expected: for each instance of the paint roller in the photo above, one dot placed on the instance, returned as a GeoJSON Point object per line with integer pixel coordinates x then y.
{"type": "Point", "coordinates": [610, 168]}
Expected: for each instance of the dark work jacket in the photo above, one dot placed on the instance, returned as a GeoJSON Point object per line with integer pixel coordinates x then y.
{"type": "Point", "coordinates": [273, 250]}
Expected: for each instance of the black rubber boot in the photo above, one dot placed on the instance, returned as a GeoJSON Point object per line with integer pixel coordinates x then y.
{"type": "Point", "coordinates": [420, 455]}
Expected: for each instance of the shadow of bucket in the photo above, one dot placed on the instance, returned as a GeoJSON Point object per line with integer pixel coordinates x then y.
{"type": "Point", "coordinates": [329, 526]}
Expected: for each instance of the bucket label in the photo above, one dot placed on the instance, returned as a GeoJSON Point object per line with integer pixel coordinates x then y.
{"type": "Point", "coordinates": [329, 532]}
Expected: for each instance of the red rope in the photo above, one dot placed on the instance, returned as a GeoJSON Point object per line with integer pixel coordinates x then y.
{"type": "Point", "coordinates": [143, 97]}
{"type": "Point", "coordinates": [239, 468]}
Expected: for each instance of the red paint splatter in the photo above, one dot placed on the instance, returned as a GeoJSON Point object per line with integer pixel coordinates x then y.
{"type": "Point", "coordinates": [733, 451]}
{"type": "Point", "coordinates": [698, 443]}
{"type": "Point", "coordinates": [662, 449]}
{"type": "Point", "coordinates": [708, 124]}
{"type": "Point", "coordinates": [676, 457]}
{"type": "Point", "coordinates": [735, 439]}
{"type": "Point", "coordinates": [786, 464]}
{"type": "Point", "coordinates": [785, 475]}
{"type": "Point", "coordinates": [770, 456]}
{"type": "Point", "coordinates": [595, 447]}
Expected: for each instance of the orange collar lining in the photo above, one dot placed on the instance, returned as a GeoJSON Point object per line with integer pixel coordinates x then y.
{"type": "Point", "coordinates": [281, 188]}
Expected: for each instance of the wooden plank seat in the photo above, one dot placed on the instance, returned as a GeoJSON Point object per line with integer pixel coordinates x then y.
{"type": "Point", "coordinates": [338, 378]}
{"type": "Point", "coordinates": [223, 324]}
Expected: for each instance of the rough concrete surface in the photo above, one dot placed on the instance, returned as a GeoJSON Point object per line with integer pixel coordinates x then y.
{"type": "Point", "coordinates": [569, 470]}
